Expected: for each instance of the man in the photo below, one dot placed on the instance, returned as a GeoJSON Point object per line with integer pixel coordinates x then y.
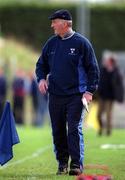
{"type": "Point", "coordinates": [110, 89]}
{"type": "Point", "coordinates": [69, 63]}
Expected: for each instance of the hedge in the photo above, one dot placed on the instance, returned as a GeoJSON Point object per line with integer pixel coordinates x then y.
{"type": "Point", "coordinates": [108, 28]}
{"type": "Point", "coordinates": [30, 23]}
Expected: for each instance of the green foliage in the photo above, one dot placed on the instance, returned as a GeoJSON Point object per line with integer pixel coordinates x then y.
{"type": "Point", "coordinates": [29, 23]}
{"type": "Point", "coordinates": [108, 28]}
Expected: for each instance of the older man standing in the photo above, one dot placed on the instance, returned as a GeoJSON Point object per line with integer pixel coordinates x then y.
{"type": "Point", "coordinates": [69, 62]}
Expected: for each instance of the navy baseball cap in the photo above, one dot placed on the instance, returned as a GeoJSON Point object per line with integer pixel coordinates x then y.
{"type": "Point", "coordinates": [61, 14]}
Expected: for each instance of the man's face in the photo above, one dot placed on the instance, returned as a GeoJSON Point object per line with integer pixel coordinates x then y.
{"type": "Point", "coordinates": [58, 26]}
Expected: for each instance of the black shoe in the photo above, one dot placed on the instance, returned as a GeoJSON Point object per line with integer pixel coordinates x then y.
{"type": "Point", "coordinates": [75, 172]}
{"type": "Point", "coordinates": [63, 170]}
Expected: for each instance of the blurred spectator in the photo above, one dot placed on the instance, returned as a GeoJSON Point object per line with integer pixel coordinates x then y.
{"type": "Point", "coordinates": [3, 90]}
{"type": "Point", "coordinates": [39, 103]}
{"type": "Point", "coordinates": [42, 112]}
{"type": "Point", "coordinates": [18, 87]}
{"type": "Point", "coordinates": [110, 90]}
{"type": "Point", "coordinates": [34, 97]}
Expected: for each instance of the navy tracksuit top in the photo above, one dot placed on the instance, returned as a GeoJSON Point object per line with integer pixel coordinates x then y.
{"type": "Point", "coordinates": [71, 65]}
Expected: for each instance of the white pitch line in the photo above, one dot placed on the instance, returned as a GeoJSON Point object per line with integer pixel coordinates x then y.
{"type": "Point", "coordinates": [113, 146]}
{"type": "Point", "coordinates": [34, 155]}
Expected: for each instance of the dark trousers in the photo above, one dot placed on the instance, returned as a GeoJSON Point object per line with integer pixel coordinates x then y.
{"type": "Point", "coordinates": [2, 103]}
{"type": "Point", "coordinates": [105, 107]}
{"type": "Point", "coordinates": [18, 108]}
{"type": "Point", "coordinates": [66, 119]}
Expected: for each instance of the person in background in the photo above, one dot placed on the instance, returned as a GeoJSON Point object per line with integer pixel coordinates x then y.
{"type": "Point", "coordinates": [18, 89]}
{"type": "Point", "coordinates": [3, 90]}
{"type": "Point", "coordinates": [68, 70]}
{"type": "Point", "coordinates": [34, 97]}
{"type": "Point", "coordinates": [42, 113]}
{"type": "Point", "coordinates": [110, 90]}
{"type": "Point", "coordinates": [39, 103]}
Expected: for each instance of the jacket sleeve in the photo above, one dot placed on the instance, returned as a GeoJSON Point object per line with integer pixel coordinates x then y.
{"type": "Point", "coordinates": [118, 86]}
{"type": "Point", "coordinates": [91, 68]}
{"type": "Point", "coordinates": [42, 66]}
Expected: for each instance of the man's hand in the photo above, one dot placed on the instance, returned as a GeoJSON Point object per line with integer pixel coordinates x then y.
{"type": "Point", "coordinates": [43, 87]}
{"type": "Point", "coordinates": [87, 96]}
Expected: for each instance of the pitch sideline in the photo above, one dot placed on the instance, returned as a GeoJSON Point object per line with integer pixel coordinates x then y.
{"type": "Point", "coordinates": [35, 154]}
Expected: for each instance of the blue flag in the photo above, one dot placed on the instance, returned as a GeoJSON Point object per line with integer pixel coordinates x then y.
{"type": "Point", "coordinates": [8, 134]}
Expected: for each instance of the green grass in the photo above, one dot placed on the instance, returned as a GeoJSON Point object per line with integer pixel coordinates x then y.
{"type": "Point", "coordinates": [34, 158]}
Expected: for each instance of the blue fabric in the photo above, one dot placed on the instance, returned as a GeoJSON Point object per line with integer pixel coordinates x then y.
{"type": "Point", "coordinates": [8, 135]}
{"type": "Point", "coordinates": [81, 141]}
{"type": "Point", "coordinates": [81, 71]}
{"type": "Point", "coordinates": [71, 65]}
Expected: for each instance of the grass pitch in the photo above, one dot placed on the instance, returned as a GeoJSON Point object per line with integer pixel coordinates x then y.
{"type": "Point", "coordinates": [34, 158]}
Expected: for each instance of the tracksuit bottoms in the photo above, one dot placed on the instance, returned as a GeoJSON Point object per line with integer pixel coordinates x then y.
{"type": "Point", "coordinates": [66, 113]}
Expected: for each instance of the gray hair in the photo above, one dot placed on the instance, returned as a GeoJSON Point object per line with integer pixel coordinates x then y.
{"type": "Point", "coordinates": [69, 22]}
